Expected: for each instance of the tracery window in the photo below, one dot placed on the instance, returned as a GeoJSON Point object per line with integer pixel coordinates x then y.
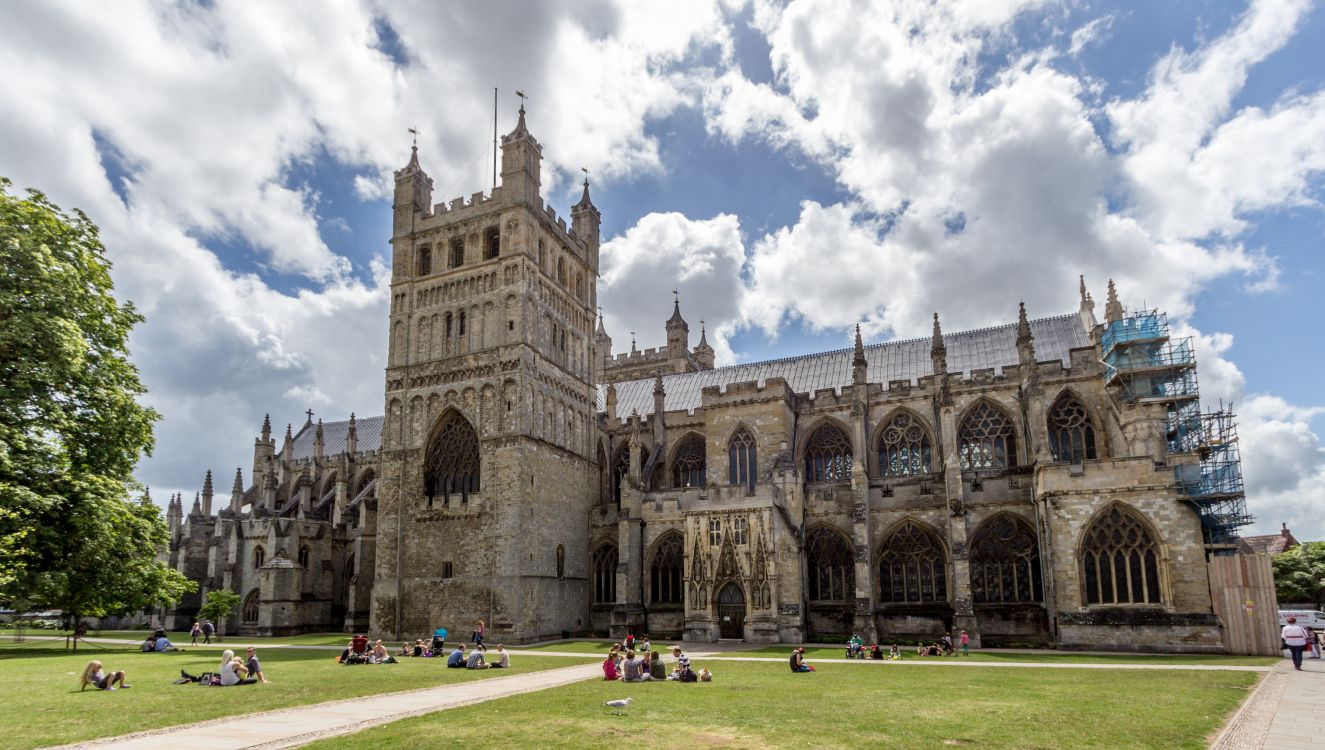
{"type": "Point", "coordinates": [425, 260]}
{"type": "Point", "coordinates": [912, 567]}
{"type": "Point", "coordinates": [741, 464]}
{"type": "Point", "coordinates": [740, 529]}
{"type": "Point", "coordinates": [259, 557]}
{"type": "Point", "coordinates": [250, 608]}
{"type": "Point", "coordinates": [688, 462]}
{"type": "Point", "coordinates": [451, 464]}
{"type": "Point", "coordinates": [904, 448]}
{"type": "Point", "coordinates": [986, 439]}
{"type": "Point", "coordinates": [715, 532]}
{"type": "Point", "coordinates": [665, 570]}
{"type": "Point", "coordinates": [1120, 561]}
{"type": "Point", "coordinates": [1071, 435]}
{"type": "Point", "coordinates": [832, 567]}
{"type": "Point", "coordinates": [1005, 562]}
{"type": "Point", "coordinates": [604, 574]}
{"type": "Point", "coordinates": [828, 455]}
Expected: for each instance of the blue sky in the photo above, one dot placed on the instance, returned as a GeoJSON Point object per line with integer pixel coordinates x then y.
{"type": "Point", "coordinates": [792, 168]}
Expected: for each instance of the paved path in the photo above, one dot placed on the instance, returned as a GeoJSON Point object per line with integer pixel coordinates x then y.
{"type": "Point", "coordinates": [942, 662]}
{"type": "Point", "coordinates": [1282, 714]}
{"type": "Point", "coordinates": [295, 726]}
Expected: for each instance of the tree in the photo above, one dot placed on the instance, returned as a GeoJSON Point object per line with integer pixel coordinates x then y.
{"type": "Point", "coordinates": [220, 603]}
{"type": "Point", "coordinates": [1299, 574]}
{"type": "Point", "coordinates": [71, 428]}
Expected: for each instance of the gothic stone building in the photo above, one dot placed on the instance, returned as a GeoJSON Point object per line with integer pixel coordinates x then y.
{"type": "Point", "coordinates": [1016, 481]}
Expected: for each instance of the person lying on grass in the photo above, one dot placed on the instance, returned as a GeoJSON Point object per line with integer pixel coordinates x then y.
{"type": "Point", "coordinates": [231, 672]}
{"type": "Point", "coordinates": [96, 677]}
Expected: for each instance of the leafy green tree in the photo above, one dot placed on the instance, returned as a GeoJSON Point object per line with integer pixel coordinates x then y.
{"type": "Point", "coordinates": [1299, 574]}
{"type": "Point", "coordinates": [220, 603]}
{"type": "Point", "coordinates": [71, 427]}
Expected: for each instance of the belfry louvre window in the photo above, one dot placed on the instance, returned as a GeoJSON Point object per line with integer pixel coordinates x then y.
{"type": "Point", "coordinates": [1120, 561]}
{"type": "Point", "coordinates": [491, 243]}
{"type": "Point", "coordinates": [457, 252]}
{"type": "Point", "coordinates": [451, 464]}
{"type": "Point", "coordinates": [828, 455]}
{"type": "Point", "coordinates": [425, 260]}
{"type": "Point", "coordinates": [688, 463]}
{"type": "Point", "coordinates": [1071, 435]}
{"type": "Point", "coordinates": [1005, 562]}
{"type": "Point", "coordinates": [741, 459]}
{"type": "Point", "coordinates": [904, 447]}
{"type": "Point", "coordinates": [912, 567]}
{"type": "Point", "coordinates": [832, 567]}
{"type": "Point", "coordinates": [665, 570]}
{"type": "Point", "coordinates": [986, 439]}
{"type": "Point", "coordinates": [604, 574]}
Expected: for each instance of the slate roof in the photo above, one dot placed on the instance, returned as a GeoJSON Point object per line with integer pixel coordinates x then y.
{"type": "Point", "coordinates": [1272, 543]}
{"type": "Point", "coordinates": [369, 431]}
{"type": "Point", "coordinates": [909, 359]}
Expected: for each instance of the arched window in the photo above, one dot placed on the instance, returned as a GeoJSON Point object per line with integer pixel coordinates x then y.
{"type": "Point", "coordinates": [832, 567]}
{"type": "Point", "coordinates": [904, 448]}
{"type": "Point", "coordinates": [1071, 435]}
{"type": "Point", "coordinates": [457, 252]}
{"type": "Point", "coordinates": [912, 567]}
{"type": "Point", "coordinates": [1120, 561]}
{"type": "Point", "coordinates": [688, 462]}
{"type": "Point", "coordinates": [491, 243]}
{"type": "Point", "coordinates": [604, 574]}
{"type": "Point", "coordinates": [451, 464]}
{"type": "Point", "coordinates": [1005, 562]}
{"type": "Point", "coordinates": [425, 260]}
{"type": "Point", "coordinates": [665, 570]}
{"type": "Point", "coordinates": [986, 439]}
{"type": "Point", "coordinates": [828, 455]}
{"type": "Point", "coordinates": [249, 612]}
{"type": "Point", "coordinates": [303, 557]}
{"type": "Point", "coordinates": [561, 561]}
{"type": "Point", "coordinates": [741, 465]}
{"type": "Point", "coordinates": [259, 557]}
{"type": "Point", "coordinates": [364, 481]}
{"type": "Point", "coordinates": [620, 468]}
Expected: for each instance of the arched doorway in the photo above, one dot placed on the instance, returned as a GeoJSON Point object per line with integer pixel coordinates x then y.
{"type": "Point", "coordinates": [731, 611]}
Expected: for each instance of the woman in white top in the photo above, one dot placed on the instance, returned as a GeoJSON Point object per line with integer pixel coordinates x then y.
{"type": "Point", "coordinates": [233, 671]}
{"type": "Point", "coordinates": [1295, 637]}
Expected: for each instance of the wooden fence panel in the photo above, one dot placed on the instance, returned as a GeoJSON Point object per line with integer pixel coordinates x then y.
{"type": "Point", "coordinates": [1242, 591]}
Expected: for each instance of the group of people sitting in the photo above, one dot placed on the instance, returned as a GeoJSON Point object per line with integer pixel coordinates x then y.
{"type": "Point", "coordinates": [424, 649]}
{"type": "Point", "coordinates": [945, 646]}
{"type": "Point", "coordinates": [232, 671]}
{"type": "Point", "coordinates": [358, 651]}
{"type": "Point", "coordinates": [478, 658]}
{"type": "Point", "coordinates": [625, 664]}
{"type": "Point", "coordinates": [157, 642]}
{"type": "Point", "coordinates": [857, 650]}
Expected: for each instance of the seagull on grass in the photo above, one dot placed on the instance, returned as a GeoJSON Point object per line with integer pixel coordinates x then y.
{"type": "Point", "coordinates": [618, 704]}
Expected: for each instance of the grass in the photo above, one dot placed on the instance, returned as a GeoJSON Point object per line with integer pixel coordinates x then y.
{"type": "Point", "coordinates": [40, 685]}
{"type": "Point", "coordinates": [576, 647]}
{"type": "Point", "coordinates": [1043, 657]}
{"type": "Point", "coordinates": [755, 705]}
{"type": "Point", "coordinates": [182, 638]}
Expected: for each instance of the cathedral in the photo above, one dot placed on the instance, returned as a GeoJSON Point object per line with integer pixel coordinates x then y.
{"type": "Point", "coordinates": [1048, 481]}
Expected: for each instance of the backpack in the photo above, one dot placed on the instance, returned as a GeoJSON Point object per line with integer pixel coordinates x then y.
{"type": "Point", "coordinates": [689, 676]}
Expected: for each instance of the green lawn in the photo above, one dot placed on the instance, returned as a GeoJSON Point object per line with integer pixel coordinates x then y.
{"type": "Point", "coordinates": [1063, 657]}
{"type": "Point", "coordinates": [39, 686]}
{"type": "Point", "coordinates": [574, 647]}
{"type": "Point", "coordinates": [845, 706]}
{"type": "Point", "coordinates": [184, 639]}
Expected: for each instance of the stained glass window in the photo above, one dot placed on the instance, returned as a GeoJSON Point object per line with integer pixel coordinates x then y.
{"type": "Point", "coordinates": [1071, 435]}
{"type": "Point", "coordinates": [741, 459]}
{"type": "Point", "coordinates": [904, 448]}
{"type": "Point", "coordinates": [688, 462]}
{"type": "Point", "coordinates": [1005, 562]}
{"type": "Point", "coordinates": [912, 567]}
{"type": "Point", "coordinates": [828, 455]}
{"type": "Point", "coordinates": [451, 464]}
{"type": "Point", "coordinates": [986, 439]}
{"type": "Point", "coordinates": [1120, 561]}
{"type": "Point", "coordinates": [832, 567]}
{"type": "Point", "coordinates": [665, 570]}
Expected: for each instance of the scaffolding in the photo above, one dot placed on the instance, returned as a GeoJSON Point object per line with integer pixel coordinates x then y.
{"type": "Point", "coordinates": [1147, 366]}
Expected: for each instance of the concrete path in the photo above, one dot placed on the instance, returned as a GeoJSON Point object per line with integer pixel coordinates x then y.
{"type": "Point", "coordinates": [296, 726]}
{"type": "Point", "coordinates": [1282, 714]}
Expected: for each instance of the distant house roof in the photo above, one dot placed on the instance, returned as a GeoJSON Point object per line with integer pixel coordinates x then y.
{"type": "Point", "coordinates": [985, 348]}
{"type": "Point", "coordinates": [1271, 543]}
{"type": "Point", "coordinates": [368, 432]}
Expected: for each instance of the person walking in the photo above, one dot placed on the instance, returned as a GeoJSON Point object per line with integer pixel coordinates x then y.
{"type": "Point", "coordinates": [478, 634]}
{"type": "Point", "coordinates": [966, 643]}
{"type": "Point", "coordinates": [1295, 637]}
{"type": "Point", "coordinates": [195, 632]}
{"type": "Point", "coordinates": [207, 630]}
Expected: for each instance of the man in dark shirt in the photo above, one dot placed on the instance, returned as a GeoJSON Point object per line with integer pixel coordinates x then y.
{"type": "Point", "coordinates": [457, 658]}
{"type": "Point", "coordinates": [207, 630]}
{"type": "Point", "coordinates": [254, 666]}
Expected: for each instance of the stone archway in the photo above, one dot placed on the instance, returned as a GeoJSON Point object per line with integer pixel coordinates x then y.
{"type": "Point", "coordinates": [731, 611]}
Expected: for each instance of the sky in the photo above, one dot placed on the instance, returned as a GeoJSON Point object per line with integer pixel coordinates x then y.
{"type": "Point", "coordinates": [792, 169]}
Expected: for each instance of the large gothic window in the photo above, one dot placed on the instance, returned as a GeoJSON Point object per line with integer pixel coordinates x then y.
{"type": "Point", "coordinates": [688, 462]}
{"type": "Point", "coordinates": [828, 455]}
{"type": "Point", "coordinates": [832, 567]}
{"type": "Point", "coordinates": [1120, 561]}
{"type": "Point", "coordinates": [665, 570]}
{"type": "Point", "coordinates": [741, 467]}
{"type": "Point", "coordinates": [904, 447]}
{"type": "Point", "coordinates": [912, 567]}
{"type": "Point", "coordinates": [451, 464]}
{"type": "Point", "coordinates": [986, 439]}
{"type": "Point", "coordinates": [249, 612]}
{"type": "Point", "coordinates": [1005, 562]}
{"type": "Point", "coordinates": [1071, 436]}
{"type": "Point", "coordinates": [604, 574]}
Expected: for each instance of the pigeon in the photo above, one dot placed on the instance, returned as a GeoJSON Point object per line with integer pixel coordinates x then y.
{"type": "Point", "coordinates": [618, 704]}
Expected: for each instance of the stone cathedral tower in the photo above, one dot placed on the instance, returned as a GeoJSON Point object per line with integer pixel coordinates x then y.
{"type": "Point", "coordinates": [488, 468]}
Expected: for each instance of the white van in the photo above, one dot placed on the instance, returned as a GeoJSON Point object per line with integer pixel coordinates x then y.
{"type": "Point", "coordinates": [1307, 618]}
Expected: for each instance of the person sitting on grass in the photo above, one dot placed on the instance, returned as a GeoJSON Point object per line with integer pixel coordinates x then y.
{"type": "Point", "coordinates": [876, 653]}
{"type": "Point", "coordinates": [798, 660]}
{"type": "Point", "coordinates": [95, 676]}
{"type": "Point", "coordinates": [503, 658]}
{"type": "Point", "coordinates": [894, 653]}
{"type": "Point", "coordinates": [934, 650]}
{"type": "Point", "coordinates": [657, 669]}
{"type": "Point", "coordinates": [406, 649]}
{"type": "Point", "coordinates": [682, 663]}
{"type": "Point", "coordinates": [609, 667]}
{"type": "Point", "coordinates": [233, 671]}
{"type": "Point", "coordinates": [476, 660]}
{"type": "Point", "coordinates": [254, 666]}
{"type": "Point", "coordinates": [635, 669]}
{"type": "Point", "coordinates": [853, 646]}
{"type": "Point", "coordinates": [163, 644]}
{"type": "Point", "coordinates": [457, 658]}
{"type": "Point", "coordinates": [418, 649]}
{"type": "Point", "coordinates": [644, 645]}
{"type": "Point", "coordinates": [380, 655]}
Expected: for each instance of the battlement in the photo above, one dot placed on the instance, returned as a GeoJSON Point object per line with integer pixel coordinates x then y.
{"type": "Point", "coordinates": [639, 356]}
{"type": "Point", "coordinates": [458, 209]}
